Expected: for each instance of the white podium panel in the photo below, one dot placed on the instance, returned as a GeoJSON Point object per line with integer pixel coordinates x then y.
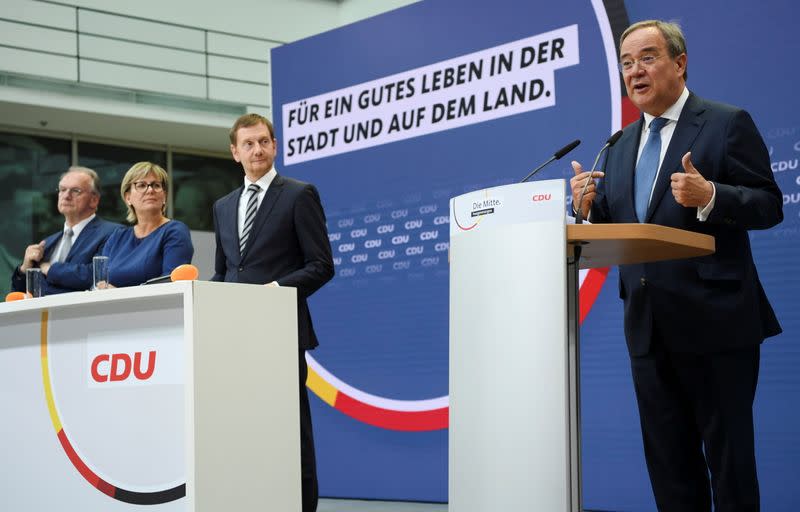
{"type": "Point", "coordinates": [180, 396]}
{"type": "Point", "coordinates": [511, 399]}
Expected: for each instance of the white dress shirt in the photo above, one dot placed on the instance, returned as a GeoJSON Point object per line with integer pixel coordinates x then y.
{"type": "Point", "coordinates": [262, 182]}
{"type": "Point", "coordinates": [672, 114]}
{"type": "Point", "coordinates": [76, 231]}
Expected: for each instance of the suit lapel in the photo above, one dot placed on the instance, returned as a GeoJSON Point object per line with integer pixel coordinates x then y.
{"type": "Point", "coordinates": [80, 240]}
{"type": "Point", "coordinates": [267, 204]}
{"type": "Point", "coordinates": [628, 148]}
{"type": "Point", "coordinates": [50, 244]}
{"type": "Point", "coordinates": [689, 125]}
{"type": "Point", "coordinates": [229, 223]}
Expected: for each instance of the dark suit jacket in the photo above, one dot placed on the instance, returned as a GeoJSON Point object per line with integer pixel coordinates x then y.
{"type": "Point", "coordinates": [715, 302]}
{"type": "Point", "coordinates": [74, 274]}
{"type": "Point", "coordinates": [288, 244]}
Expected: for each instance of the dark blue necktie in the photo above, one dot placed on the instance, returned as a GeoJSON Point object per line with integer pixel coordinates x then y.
{"type": "Point", "coordinates": [647, 167]}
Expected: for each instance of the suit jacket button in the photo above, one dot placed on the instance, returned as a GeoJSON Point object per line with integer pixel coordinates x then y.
{"type": "Point", "coordinates": [241, 269]}
{"type": "Point", "coordinates": [643, 281]}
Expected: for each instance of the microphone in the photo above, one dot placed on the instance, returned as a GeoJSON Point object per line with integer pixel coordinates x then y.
{"type": "Point", "coordinates": [158, 280]}
{"type": "Point", "coordinates": [556, 156]}
{"type": "Point", "coordinates": [186, 272]}
{"type": "Point", "coordinates": [610, 142]}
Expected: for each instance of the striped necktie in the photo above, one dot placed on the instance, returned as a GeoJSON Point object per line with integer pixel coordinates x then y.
{"type": "Point", "coordinates": [250, 215]}
{"type": "Point", "coordinates": [647, 168]}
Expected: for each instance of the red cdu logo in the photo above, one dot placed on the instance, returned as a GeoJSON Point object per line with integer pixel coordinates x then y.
{"type": "Point", "coordinates": [119, 367]}
{"type": "Point", "coordinates": [541, 197]}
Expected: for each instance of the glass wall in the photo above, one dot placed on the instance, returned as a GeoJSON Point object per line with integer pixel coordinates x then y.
{"type": "Point", "coordinates": [29, 170]}
{"type": "Point", "coordinates": [111, 163]}
{"type": "Point", "coordinates": [197, 182]}
{"type": "Point", "coordinates": [30, 166]}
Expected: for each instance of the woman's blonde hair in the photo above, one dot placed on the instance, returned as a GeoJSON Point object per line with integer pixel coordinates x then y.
{"type": "Point", "coordinates": [138, 171]}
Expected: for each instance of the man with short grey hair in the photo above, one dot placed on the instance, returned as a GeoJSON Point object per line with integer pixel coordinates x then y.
{"type": "Point", "coordinates": [694, 327]}
{"type": "Point", "coordinates": [66, 257]}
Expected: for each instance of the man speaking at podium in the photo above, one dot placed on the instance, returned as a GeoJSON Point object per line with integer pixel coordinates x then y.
{"type": "Point", "coordinates": [272, 231]}
{"type": "Point", "coordinates": [693, 327]}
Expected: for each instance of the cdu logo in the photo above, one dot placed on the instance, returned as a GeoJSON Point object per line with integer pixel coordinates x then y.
{"type": "Point", "coordinates": [133, 357]}
{"type": "Point", "coordinates": [119, 367]}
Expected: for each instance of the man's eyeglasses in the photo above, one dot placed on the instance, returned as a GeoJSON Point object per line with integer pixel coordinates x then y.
{"type": "Point", "coordinates": [142, 186]}
{"type": "Point", "coordinates": [70, 191]}
{"type": "Point", "coordinates": [626, 66]}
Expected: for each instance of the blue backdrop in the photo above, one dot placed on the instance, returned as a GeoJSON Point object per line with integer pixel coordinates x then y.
{"type": "Point", "coordinates": [383, 320]}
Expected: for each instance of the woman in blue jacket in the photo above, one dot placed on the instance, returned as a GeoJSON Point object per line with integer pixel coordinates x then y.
{"type": "Point", "coordinates": [155, 244]}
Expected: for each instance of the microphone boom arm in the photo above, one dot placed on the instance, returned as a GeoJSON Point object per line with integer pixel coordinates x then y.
{"type": "Point", "coordinates": [556, 156]}
{"type": "Point", "coordinates": [578, 210]}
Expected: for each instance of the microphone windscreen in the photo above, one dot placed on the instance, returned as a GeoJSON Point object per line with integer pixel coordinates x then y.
{"type": "Point", "coordinates": [614, 138]}
{"type": "Point", "coordinates": [187, 272]}
{"type": "Point", "coordinates": [566, 149]}
{"type": "Point", "coordinates": [12, 296]}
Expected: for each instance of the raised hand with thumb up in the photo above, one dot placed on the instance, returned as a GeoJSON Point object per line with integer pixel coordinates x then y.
{"type": "Point", "coordinates": [690, 188]}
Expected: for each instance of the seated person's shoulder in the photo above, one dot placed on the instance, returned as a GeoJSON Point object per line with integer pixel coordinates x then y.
{"type": "Point", "coordinates": [107, 226]}
{"type": "Point", "coordinates": [178, 227]}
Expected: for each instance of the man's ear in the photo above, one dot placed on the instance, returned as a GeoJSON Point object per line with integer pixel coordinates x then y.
{"type": "Point", "coordinates": [680, 62]}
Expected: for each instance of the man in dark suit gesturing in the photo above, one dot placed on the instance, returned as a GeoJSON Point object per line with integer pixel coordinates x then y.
{"type": "Point", "coordinates": [693, 327]}
{"type": "Point", "coordinates": [272, 231]}
{"type": "Point", "coordinates": [66, 257]}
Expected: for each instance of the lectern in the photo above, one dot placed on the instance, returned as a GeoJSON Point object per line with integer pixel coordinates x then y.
{"type": "Point", "coordinates": [514, 435]}
{"type": "Point", "coordinates": [181, 396]}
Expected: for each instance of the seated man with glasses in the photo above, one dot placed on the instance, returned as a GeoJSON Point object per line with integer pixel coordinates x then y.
{"type": "Point", "coordinates": [155, 244]}
{"type": "Point", "coordinates": [66, 257]}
